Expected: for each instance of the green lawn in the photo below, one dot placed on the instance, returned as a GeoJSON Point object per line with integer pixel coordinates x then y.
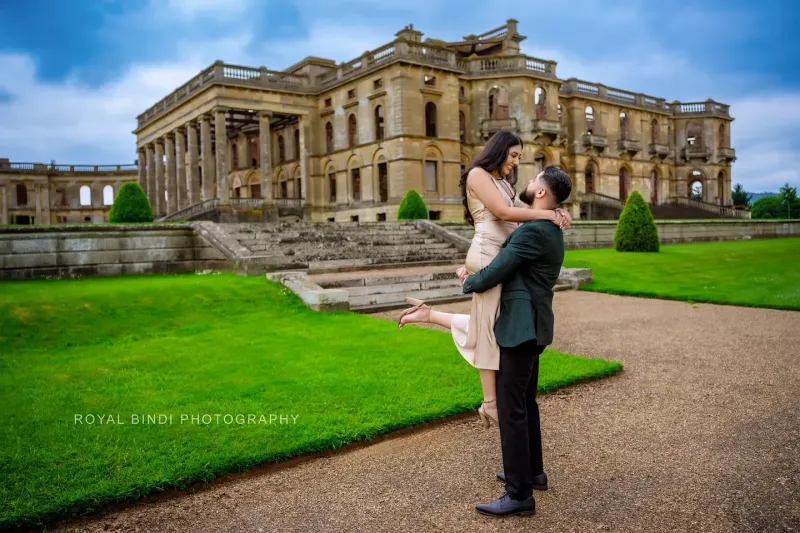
{"type": "Point", "coordinates": [758, 273]}
{"type": "Point", "coordinates": [203, 344]}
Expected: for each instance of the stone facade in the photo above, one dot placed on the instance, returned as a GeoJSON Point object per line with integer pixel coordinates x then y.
{"type": "Point", "coordinates": [36, 193]}
{"type": "Point", "coordinates": [345, 142]}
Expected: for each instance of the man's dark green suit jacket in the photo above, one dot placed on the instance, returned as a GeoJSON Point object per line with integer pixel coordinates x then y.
{"type": "Point", "coordinates": [528, 266]}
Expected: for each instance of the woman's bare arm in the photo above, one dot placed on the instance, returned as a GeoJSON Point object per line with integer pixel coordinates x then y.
{"type": "Point", "coordinates": [480, 183]}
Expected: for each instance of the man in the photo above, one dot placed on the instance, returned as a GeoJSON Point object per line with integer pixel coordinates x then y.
{"type": "Point", "coordinates": [528, 266]}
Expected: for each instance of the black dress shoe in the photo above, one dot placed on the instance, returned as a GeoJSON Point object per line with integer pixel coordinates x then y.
{"type": "Point", "coordinates": [539, 482]}
{"type": "Point", "coordinates": [507, 506]}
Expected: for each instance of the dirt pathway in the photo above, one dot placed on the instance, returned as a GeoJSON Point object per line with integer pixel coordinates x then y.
{"type": "Point", "coordinates": [700, 433]}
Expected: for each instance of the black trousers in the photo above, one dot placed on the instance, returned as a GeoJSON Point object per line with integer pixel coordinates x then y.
{"type": "Point", "coordinates": [518, 414]}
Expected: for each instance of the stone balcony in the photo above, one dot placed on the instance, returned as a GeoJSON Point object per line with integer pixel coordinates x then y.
{"type": "Point", "coordinates": [696, 152]}
{"type": "Point", "coordinates": [629, 146]}
{"type": "Point", "coordinates": [595, 141]}
{"type": "Point", "coordinates": [493, 125]}
{"type": "Point", "coordinates": [658, 150]}
{"type": "Point", "coordinates": [726, 154]}
{"type": "Point", "coordinates": [546, 127]}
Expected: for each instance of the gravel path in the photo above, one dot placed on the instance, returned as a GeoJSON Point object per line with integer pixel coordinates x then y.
{"type": "Point", "coordinates": [700, 433]}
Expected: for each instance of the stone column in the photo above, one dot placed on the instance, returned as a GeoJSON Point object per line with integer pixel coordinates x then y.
{"type": "Point", "coordinates": [172, 184]}
{"type": "Point", "coordinates": [3, 205]}
{"type": "Point", "coordinates": [160, 205]}
{"type": "Point", "coordinates": [302, 122]}
{"type": "Point", "coordinates": [192, 173]}
{"type": "Point", "coordinates": [37, 193]}
{"type": "Point", "coordinates": [221, 144]}
{"type": "Point", "coordinates": [180, 168]}
{"type": "Point", "coordinates": [46, 204]}
{"type": "Point", "coordinates": [143, 171]}
{"type": "Point", "coordinates": [265, 156]}
{"type": "Point", "coordinates": [206, 160]}
{"type": "Point", "coordinates": [150, 170]}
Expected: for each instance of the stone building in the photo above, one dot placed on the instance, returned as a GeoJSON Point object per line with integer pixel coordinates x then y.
{"type": "Point", "coordinates": [346, 141]}
{"type": "Point", "coordinates": [37, 193]}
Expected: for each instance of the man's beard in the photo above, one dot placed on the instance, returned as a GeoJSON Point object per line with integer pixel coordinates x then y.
{"type": "Point", "coordinates": [525, 197]}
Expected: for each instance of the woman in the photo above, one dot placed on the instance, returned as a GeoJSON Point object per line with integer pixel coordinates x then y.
{"type": "Point", "coordinates": [490, 204]}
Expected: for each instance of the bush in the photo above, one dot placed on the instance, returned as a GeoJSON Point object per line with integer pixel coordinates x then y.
{"type": "Point", "coordinates": [131, 205]}
{"type": "Point", "coordinates": [636, 230]}
{"type": "Point", "coordinates": [412, 207]}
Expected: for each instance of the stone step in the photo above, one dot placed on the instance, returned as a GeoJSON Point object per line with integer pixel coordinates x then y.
{"type": "Point", "coordinates": [390, 255]}
{"type": "Point", "coordinates": [405, 288]}
{"type": "Point", "coordinates": [324, 265]}
{"type": "Point", "coordinates": [304, 249]}
{"type": "Point", "coordinates": [397, 297]}
{"type": "Point", "coordinates": [245, 240]}
{"type": "Point", "coordinates": [376, 280]}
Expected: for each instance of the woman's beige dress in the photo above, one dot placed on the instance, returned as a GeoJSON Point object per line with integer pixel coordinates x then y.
{"type": "Point", "coordinates": [474, 333]}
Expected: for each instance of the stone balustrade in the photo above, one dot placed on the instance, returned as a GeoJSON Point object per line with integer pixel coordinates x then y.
{"type": "Point", "coordinates": [43, 168]}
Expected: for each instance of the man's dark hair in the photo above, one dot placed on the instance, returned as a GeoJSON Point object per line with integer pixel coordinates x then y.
{"type": "Point", "coordinates": [558, 182]}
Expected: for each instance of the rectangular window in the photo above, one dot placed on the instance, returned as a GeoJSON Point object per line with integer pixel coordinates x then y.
{"type": "Point", "coordinates": [377, 84]}
{"type": "Point", "coordinates": [431, 181]}
{"type": "Point", "coordinates": [691, 140]}
{"type": "Point", "coordinates": [355, 176]}
{"type": "Point", "coordinates": [430, 81]}
{"type": "Point", "coordinates": [351, 94]}
{"type": "Point", "coordinates": [434, 215]}
{"type": "Point", "coordinates": [354, 218]}
{"type": "Point", "coordinates": [328, 102]}
{"type": "Point", "coordinates": [332, 187]}
{"type": "Point", "coordinates": [381, 217]}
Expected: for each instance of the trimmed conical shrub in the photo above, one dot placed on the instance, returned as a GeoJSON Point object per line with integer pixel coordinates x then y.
{"type": "Point", "coordinates": [636, 229]}
{"type": "Point", "coordinates": [412, 207]}
{"type": "Point", "coordinates": [131, 205]}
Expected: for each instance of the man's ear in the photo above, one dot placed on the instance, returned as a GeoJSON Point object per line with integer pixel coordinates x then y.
{"type": "Point", "coordinates": [541, 192]}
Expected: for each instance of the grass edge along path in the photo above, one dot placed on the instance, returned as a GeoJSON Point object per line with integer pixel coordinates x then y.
{"type": "Point", "coordinates": [760, 273]}
{"type": "Point", "coordinates": [198, 343]}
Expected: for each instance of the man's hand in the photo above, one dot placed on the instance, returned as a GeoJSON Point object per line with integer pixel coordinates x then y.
{"type": "Point", "coordinates": [462, 274]}
{"type": "Point", "coordinates": [563, 219]}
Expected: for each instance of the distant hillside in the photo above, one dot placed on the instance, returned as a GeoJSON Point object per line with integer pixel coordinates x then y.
{"type": "Point", "coordinates": [759, 195]}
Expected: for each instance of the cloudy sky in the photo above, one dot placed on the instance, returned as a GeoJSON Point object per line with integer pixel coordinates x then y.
{"type": "Point", "coordinates": [74, 75]}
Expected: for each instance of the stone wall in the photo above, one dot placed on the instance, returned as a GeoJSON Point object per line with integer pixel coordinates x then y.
{"type": "Point", "coordinates": [600, 234]}
{"type": "Point", "coordinates": [75, 250]}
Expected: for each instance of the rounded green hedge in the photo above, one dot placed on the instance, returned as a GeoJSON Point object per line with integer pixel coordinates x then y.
{"type": "Point", "coordinates": [636, 229]}
{"type": "Point", "coordinates": [412, 207]}
{"type": "Point", "coordinates": [131, 205]}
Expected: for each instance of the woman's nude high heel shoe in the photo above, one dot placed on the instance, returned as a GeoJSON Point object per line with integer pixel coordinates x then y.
{"type": "Point", "coordinates": [418, 304]}
{"type": "Point", "coordinates": [486, 418]}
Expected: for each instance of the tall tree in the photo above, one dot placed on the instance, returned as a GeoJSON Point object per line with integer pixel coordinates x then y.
{"type": "Point", "coordinates": [740, 197]}
{"type": "Point", "coordinates": [788, 195]}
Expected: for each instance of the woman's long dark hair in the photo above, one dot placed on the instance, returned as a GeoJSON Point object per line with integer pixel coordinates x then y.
{"type": "Point", "coordinates": [492, 157]}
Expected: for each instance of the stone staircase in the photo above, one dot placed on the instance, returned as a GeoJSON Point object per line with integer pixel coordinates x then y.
{"type": "Point", "coordinates": [324, 247]}
{"type": "Point", "coordinates": [380, 290]}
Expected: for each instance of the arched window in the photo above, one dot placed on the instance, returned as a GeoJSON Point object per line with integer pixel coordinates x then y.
{"type": "Point", "coordinates": [654, 132]}
{"type": "Point", "coordinates": [721, 187]}
{"type": "Point", "coordinates": [86, 195]}
{"type": "Point", "coordinates": [281, 149]}
{"type": "Point", "coordinates": [328, 137]}
{"type": "Point", "coordinates": [355, 183]}
{"type": "Point", "coordinates": [589, 119]}
{"type": "Point", "coordinates": [255, 158]}
{"type": "Point", "coordinates": [22, 195]}
{"type": "Point", "coordinates": [590, 179]}
{"type": "Point", "coordinates": [560, 115]}
{"type": "Point", "coordinates": [540, 101]}
{"type": "Point", "coordinates": [378, 122]}
{"type": "Point", "coordinates": [498, 102]}
{"type": "Point", "coordinates": [430, 119]}
{"type": "Point", "coordinates": [539, 163]}
{"type": "Point", "coordinates": [694, 134]}
{"type": "Point", "coordinates": [297, 144]}
{"type": "Point", "coordinates": [462, 126]}
{"type": "Point", "coordinates": [654, 186]}
{"type": "Point", "coordinates": [352, 130]}
{"type": "Point", "coordinates": [234, 156]}
{"type": "Point", "coordinates": [723, 141]}
{"type": "Point", "coordinates": [623, 183]}
{"type": "Point", "coordinates": [108, 195]}
{"type": "Point", "coordinates": [623, 126]}
{"type": "Point", "coordinates": [696, 191]}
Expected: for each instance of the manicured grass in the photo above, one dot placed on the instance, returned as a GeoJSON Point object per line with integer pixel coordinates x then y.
{"type": "Point", "coordinates": [757, 273]}
{"type": "Point", "coordinates": [194, 345]}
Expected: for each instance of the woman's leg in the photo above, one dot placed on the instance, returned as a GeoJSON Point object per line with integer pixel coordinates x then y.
{"type": "Point", "coordinates": [440, 318]}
